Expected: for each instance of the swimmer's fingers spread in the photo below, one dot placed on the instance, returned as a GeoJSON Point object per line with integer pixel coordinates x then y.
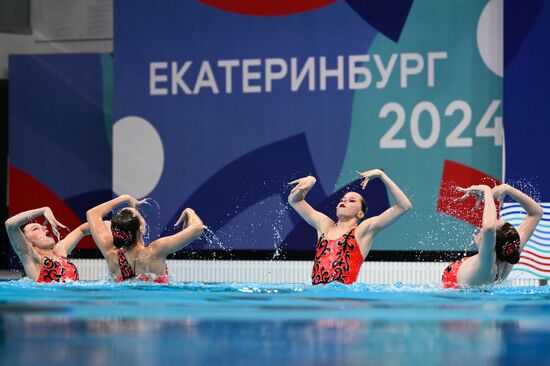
{"type": "Point", "coordinates": [50, 218]}
{"type": "Point", "coordinates": [294, 182]}
{"type": "Point", "coordinates": [179, 220]}
{"type": "Point", "coordinates": [183, 218]}
{"type": "Point", "coordinates": [57, 223]}
{"type": "Point", "coordinates": [478, 202]}
{"type": "Point", "coordinates": [364, 183]}
{"type": "Point", "coordinates": [298, 188]}
{"type": "Point", "coordinates": [55, 231]}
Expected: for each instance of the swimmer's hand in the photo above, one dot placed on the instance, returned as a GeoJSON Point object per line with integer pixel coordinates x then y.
{"type": "Point", "coordinates": [301, 187]}
{"type": "Point", "coordinates": [368, 175]}
{"type": "Point", "coordinates": [133, 202]}
{"type": "Point", "coordinates": [50, 218]}
{"type": "Point", "coordinates": [499, 192]}
{"type": "Point", "coordinates": [186, 217]}
{"type": "Point", "coordinates": [476, 191]}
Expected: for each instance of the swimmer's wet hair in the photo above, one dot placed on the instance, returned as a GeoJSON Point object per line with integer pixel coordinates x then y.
{"type": "Point", "coordinates": [364, 206]}
{"type": "Point", "coordinates": [124, 227]}
{"type": "Point", "coordinates": [507, 243]}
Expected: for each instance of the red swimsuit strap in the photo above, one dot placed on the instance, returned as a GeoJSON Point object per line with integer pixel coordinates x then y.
{"type": "Point", "coordinates": [125, 269]}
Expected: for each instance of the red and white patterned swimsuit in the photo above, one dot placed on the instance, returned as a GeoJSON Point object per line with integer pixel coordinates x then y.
{"type": "Point", "coordinates": [449, 278]}
{"type": "Point", "coordinates": [59, 269]}
{"type": "Point", "coordinates": [337, 260]}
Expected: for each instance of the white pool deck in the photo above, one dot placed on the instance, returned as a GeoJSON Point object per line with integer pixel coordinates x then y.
{"type": "Point", "coordinates": [212, 271]}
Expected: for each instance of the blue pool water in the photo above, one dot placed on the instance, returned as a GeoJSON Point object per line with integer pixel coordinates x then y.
{"type": "Point", "coordinates": [263, 324]}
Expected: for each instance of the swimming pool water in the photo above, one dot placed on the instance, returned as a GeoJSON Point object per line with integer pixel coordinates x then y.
{"type": "Point", "coordinates": [262, 324]}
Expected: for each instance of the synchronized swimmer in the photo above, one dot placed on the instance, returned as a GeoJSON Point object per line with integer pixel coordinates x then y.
{"type": "Point", "coordinates": [342, 246]}
{"type": "Point", "coordinates": [341, 249]}
{"type": "Point", "coordinates": [499, 244]}
{"type": "Point", "coordinates": [123, 248]}
{"type": "Point", "coordinates": [43, 259]}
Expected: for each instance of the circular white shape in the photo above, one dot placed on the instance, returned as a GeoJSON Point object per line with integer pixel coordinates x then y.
{"type": "Point", "coordinates": [490, 29]}
{"type": "Point", "coordinates": [138, 157]}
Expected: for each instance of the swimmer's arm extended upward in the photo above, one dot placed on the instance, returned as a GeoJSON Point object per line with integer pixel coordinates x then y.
{"type": "Point", "coordinates": [388, 217]}
{"type": "Point", "coordinates": [533, 209]}
{"type": "Point", "coordinates": [17, 239]}
{"type": "Point", "coordinates": [100, 232]}
{"type": "Point", "coordinates": [192, 229]}
{"type": "Point", "coordinates": [487, 252]}
{"type": "Point", "coordinates": [296, 199]}
{"type": "Point", "coordinates": [68, 243]}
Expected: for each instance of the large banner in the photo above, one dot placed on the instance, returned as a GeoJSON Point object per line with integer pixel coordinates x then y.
{"type": "Point", "coordinates": [219, 104]}
{"type": "Point", "coordinates": [60, 136]}
{"type": "Point", "coordinates": [526, 92]}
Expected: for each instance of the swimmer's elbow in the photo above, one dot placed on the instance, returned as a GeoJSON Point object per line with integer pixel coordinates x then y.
{"type": "Point", "coordinates": [406, 206]}
{"type": "Point", "coordinates": [538, 212]}
{"type": "Point", "coordinates": [10, 223]}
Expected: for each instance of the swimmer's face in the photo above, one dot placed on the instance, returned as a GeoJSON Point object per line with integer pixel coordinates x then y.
{"type": "Point", "coordinates": [142, 225]}
{"type": "Point", "coordinates": [350, 206]}
{"type": "Point", "coordinates": [39, 236]}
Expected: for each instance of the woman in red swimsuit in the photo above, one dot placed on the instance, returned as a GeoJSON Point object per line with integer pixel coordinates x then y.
{"type": "Point", "coordinates": [499, 244]}
{"type": "Point", "coordinates": [44, 260]}
{"type": "Point", "coordinates": [343, 245]}
{"type": "Point", "coordinates": [123, 248]}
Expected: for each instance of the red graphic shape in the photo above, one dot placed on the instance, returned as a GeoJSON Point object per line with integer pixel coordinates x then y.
{"type": "Point", "coordinates": [267, 7]}
{"type": "Point", "coordinates": [460, 175]}
{"type": "Point", "coordinates": [27, 193]}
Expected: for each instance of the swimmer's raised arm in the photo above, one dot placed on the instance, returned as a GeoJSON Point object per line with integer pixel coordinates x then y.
{"type": "Point", "coordinates": [487, 252]}
{"type": "Point", "coordinates": [533, 209]}
{"type": "Point", "coordinates": [100, 232]}
{"type": "Point", "coordinates": [192, 228]}
{"type": "Point", "coordinates": [296, 199]}
{"type": "Point", "coordinates": [388, 217]}
{"type": "Point", "coordinates": [67, 244]}
{"type": "Point", "coordinates": [17, 239]}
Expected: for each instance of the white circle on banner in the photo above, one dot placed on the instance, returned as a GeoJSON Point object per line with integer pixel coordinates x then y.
{"type": "Point", "coordinates": [138, 157]}
{"type": "Point", "coordinates": [490, 29]}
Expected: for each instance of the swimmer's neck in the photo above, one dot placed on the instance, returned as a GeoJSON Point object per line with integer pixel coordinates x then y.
{"type": "Point", "coordinates": [45, 252]}
{"type": "Point", "coordinates": [136, 247]}
{"type": "Point", "coordinates": [346, 223]}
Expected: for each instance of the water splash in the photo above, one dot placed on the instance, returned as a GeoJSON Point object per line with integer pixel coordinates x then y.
{"type": "Point", "coordinates": [214, 241]}
{"type": "Point", "coordinates": [150, 210]}
{"type": "Point", "coordinates": [277, 227]}
{"type": "Point", "coordinates": [528, 187]}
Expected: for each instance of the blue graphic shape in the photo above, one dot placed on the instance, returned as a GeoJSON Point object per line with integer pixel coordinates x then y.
{"type": "Point", "coordinates": [83, 202]}
{"type": "Point", "coordinates": [388, 17]}
{"type": "Point", "coordinates": [252, 178]}
{"type": "Point", "coordinates": [526, 90]}
{"type": "Point", "coordinates": [518, 21]}
{"type": "Point", "coordinates": [61, 140]}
